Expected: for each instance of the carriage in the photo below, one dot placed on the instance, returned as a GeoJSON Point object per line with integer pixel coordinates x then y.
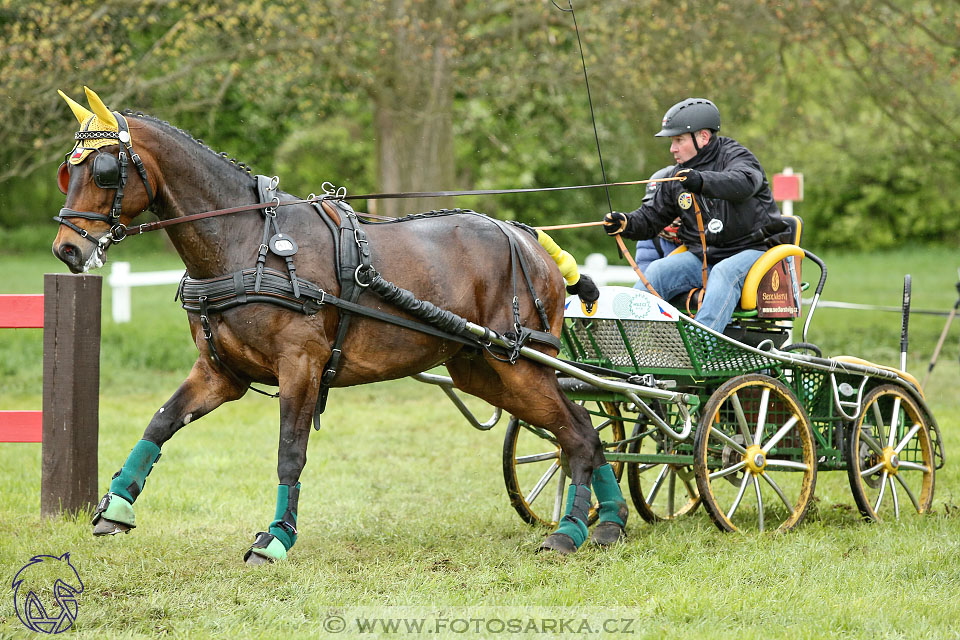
{"type": "Point", "coordinates": [299, 294]}
{"type": "Point", "coordinates": [696, 417]}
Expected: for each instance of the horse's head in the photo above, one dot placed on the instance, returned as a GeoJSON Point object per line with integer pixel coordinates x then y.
{"type": "Point", "coordinates": [102, 199]}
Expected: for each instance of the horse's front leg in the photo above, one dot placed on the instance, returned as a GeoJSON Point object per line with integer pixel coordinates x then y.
{"type": "Point", "coordinates": [299, 386]}
{"type": "Point", "coordinates": [204, 390]}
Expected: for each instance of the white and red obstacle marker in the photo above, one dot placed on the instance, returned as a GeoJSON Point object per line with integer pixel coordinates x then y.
{"type": "Point", "coordinates": [68, 311]}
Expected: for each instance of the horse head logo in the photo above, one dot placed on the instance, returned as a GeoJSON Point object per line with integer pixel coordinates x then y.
{"type": "Point", "coordinates": [32, 589]}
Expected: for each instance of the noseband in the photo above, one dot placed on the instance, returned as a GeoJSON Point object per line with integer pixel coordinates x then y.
{"type": "Point", "coordinates": [109, 172]}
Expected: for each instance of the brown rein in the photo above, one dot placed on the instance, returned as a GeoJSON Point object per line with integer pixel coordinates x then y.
{"type": "Point", "coordinates": [160, 224]}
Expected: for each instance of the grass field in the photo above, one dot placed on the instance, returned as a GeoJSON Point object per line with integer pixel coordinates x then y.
{"type": "Point", "coordinates": [403, 513]}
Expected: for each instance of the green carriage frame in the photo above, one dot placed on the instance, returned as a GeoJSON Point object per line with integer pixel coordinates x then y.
{"type": "Point", "coordinates": [678, 401]}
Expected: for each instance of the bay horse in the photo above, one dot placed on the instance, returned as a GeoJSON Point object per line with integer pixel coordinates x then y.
{"type": "Point", "coordinates": [123, 164]}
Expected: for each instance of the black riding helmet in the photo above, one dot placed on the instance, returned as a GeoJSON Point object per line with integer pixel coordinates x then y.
{"type": "Point", "coordinates": [689, 116]}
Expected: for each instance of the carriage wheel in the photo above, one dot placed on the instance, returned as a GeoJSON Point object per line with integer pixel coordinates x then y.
{"type": "Point", "coordinates": [535, 470]}
{"type": "Point", "coordinates": [754, 456]}
{"type": "Point", "coordinates": [890, 451]}
{"type": "Point", "coordinates": [660, 491]}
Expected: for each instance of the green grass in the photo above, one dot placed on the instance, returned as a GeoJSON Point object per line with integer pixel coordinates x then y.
{"type": "Point", "coordinates": [403, 511]}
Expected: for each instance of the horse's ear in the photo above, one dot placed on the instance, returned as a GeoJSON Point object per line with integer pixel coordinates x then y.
{"type": "Point", "coordinates": [66, 556]}
{"type": "Point", "coordinates": [101, 110]}
{"type": "Point", "coordinates": [82, 113]}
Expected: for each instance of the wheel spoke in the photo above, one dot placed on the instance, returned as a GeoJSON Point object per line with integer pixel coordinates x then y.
{"type": "Point", "coordinates": [736, 501]}
{"type": "Point", "coordinates": [913, 466]}
{"type": "Point", "coordinates": [872, 470]}
{"type": "Point", "coordinates": [741, 418]}
{"type": "Point", "coordinates": [907, 438]}
{"type": "Point", "coordinates": [762, 413]}
{"type": "Point", "coordinates": [789, 464]}
{"type": "Point", "coordinates": [894, 421]}
{"type": "Point", "coordinates": [873, 444]}
{"type": "Point", "coordinates": [655, 489]}
{"type": "Point", "coordinates": [779, 491]}
{"type": "Point", "coordinates": [728, 470]}
{"type": "Point", "coordinates": [759, 502]}
{"type": "Point", "coordinates": [558, 499]}
{"type": "Point", "coordinates": [671, 490]}
{"type": "Point", "coordinates": [542, 482]}
{"type": "Point", "coordinates": [728, 441]}
{"type": "Point", "coordinates": [691, 489]}
{"type": "Point", "coordinates": [538, 457]}
{"type": "Point", "coordinates": [603, 425]}
{"type": "Point", "coordinates": [913, 498]}
{"type": "Point", "coordinates": [896, 501]}
{"type": "Point", "coordinates": [883, 486]}
{"type": "Point", "coordinates": [779, 434]}
{"type": "Point", "coordinates": [878, 418]}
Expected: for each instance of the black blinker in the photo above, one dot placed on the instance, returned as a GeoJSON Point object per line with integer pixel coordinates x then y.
{"type": "Point", "coordinates": [106, 171]}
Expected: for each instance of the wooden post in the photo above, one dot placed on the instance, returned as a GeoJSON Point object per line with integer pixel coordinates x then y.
{"type": "Point", "coordinates": [71, 392]}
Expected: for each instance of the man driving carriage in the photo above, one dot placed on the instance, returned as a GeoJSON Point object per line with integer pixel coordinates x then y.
{"type": "Point", "coordinates": [725, 186]}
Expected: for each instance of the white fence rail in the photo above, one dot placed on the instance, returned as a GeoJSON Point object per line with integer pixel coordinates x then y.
{"type": "Point", "coordinates": [122, 280]}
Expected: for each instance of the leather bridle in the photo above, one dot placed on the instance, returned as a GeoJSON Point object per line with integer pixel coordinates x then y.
{"type": "Point", "coordinates": [108, 173]}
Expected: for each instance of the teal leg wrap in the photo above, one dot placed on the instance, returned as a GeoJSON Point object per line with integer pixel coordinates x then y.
{"type": "Point", "coordinates": [573, 524]}
{"type": "Point", "coordinates": [284, 525]}
{"type": "Point", "coordinates": [609, 496]}
{"type": "Point", "coordinates": [129, 481]}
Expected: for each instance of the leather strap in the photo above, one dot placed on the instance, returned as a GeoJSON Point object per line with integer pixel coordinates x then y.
{"type": "Point", "coordinates": [703, 246]}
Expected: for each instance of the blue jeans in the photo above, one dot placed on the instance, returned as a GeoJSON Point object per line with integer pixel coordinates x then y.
{"type": "Point", "coordinates": [679, 273]}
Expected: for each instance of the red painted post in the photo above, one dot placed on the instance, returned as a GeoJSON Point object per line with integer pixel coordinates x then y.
{"type": "Point", "coordinates": [20, 312]}
{"type": "Point", "coordinates": [21, 426]}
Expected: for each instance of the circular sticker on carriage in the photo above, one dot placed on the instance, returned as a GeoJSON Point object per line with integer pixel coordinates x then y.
{"type": "Point", "coordinates": [685, 200]}
{"type": "Point", "coordinates": [715, 226]}
{"type": "Point", "coordinates": [631, 305]}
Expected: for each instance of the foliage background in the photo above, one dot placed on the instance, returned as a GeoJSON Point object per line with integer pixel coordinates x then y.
{"type": "Point", "coordinates": [859, 95]}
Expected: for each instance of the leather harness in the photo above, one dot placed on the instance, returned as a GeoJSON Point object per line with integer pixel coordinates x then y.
{"type": "Point", "coordinates": [353, 265]}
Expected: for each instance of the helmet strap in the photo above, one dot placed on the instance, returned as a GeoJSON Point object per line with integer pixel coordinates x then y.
{"type": "Point", "coordinates": [693, 136]}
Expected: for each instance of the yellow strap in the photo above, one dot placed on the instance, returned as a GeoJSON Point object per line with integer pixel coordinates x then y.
{"type": "Point", "coordinates": [566, 262]}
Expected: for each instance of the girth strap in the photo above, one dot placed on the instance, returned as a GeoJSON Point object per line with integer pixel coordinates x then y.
{"type": "Point", "coordinates": [354, 262]}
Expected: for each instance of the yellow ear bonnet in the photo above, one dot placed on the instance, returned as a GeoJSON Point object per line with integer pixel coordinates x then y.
{"type": "Point", "coordinates": [99, 119]}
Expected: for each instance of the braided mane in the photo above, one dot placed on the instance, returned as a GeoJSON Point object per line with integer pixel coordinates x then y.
{"type": "Point", "coordinates": [233, 162]}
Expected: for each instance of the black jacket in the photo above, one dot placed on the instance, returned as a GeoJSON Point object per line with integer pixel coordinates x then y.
{"type": "Point", "coordinates": [736, 202]}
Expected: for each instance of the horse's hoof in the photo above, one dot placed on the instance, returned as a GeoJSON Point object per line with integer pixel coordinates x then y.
{"type": "Point", "coordinates": [607, 534]}
{"type": "Point", "coordinates": [105, 527]}
{"type": "Point", "coordinates": [559, 542]}
{"type": "Point", "coordinates": [255, 560]}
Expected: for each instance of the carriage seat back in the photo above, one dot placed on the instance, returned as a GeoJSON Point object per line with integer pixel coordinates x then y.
{"type": "Point", "coordinates": [772, 285]}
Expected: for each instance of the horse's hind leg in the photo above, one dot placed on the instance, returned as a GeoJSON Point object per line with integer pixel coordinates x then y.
{"type": "Point", "coordinates": [204, 390]}
{"type": "Point", "coordinates": [530, 392]}
{"type": "Point", "coordinates": [299, 386]}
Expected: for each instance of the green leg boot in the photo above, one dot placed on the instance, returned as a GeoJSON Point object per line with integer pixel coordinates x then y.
{"type": "Point", "coordinates": [573, 526]}
{"type": "Point", "coordinates": [272, 545]}
{"type": "Point", "coordinates": [114, 513]}
{"type": "Point", "coordinates": [612, 516]}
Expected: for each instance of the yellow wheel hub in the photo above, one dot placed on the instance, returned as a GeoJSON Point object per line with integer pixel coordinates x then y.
{"type": "Point", "coordinates": [891, 461]}
{"type": "Point", "coordinates": [756, 459]}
